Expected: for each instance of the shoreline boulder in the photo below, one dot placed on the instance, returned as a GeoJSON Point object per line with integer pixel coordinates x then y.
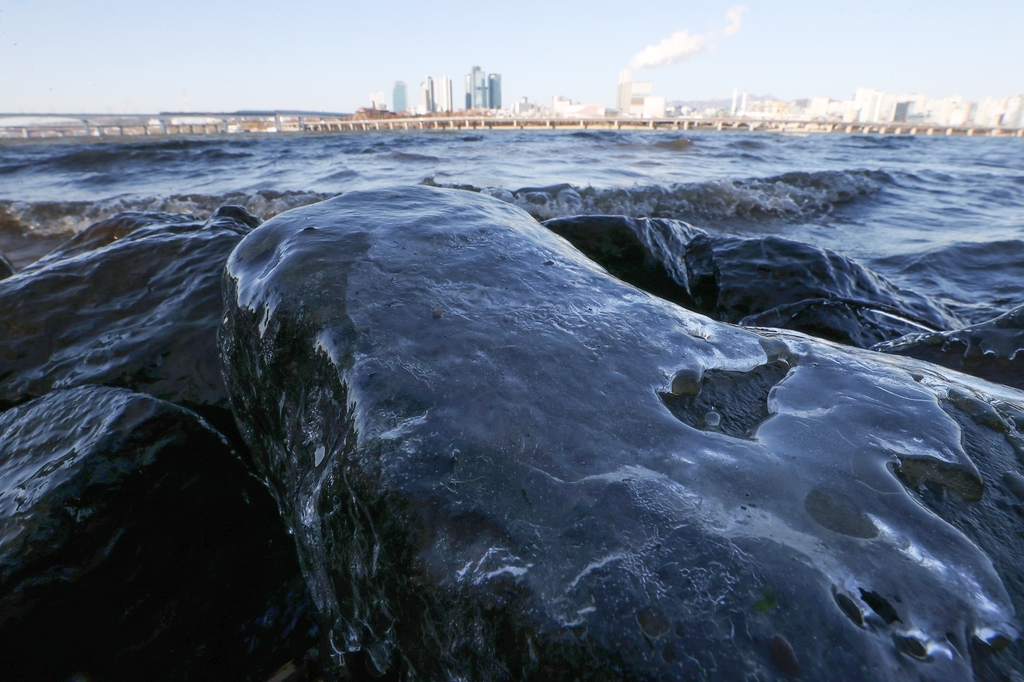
{"type": "Point", "coordinates": [500, 462]}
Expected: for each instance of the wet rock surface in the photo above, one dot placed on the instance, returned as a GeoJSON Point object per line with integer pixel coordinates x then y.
{"type": "Point", "coordinates": [499, 462]}
{"type": "Point", "coordinates": [135, 545]}
{"type": "Point", "coordinates": [762, 282]}
{"type": "Point", "coordinates": [133, 301]}
{"type": "Point", "coordinates": [990, 350]}
{"type": "Point", "coordinates": [6, 269]}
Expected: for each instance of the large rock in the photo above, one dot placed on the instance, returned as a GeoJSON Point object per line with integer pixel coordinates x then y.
{"type": "Point", "coordinates": [991, 350]}
{"type": "Point", "coordinates": [500, 462]}
{"type": "Point", "coordinates": [764, 281]}
{"type": "Point", "coordinates": [133, 302]}
{"type": "Point", "coordinates": [135, 545]}
{"type": "Point", "coordinates": [6, 269]}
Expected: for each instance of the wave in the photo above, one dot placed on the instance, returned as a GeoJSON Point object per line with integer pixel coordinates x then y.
{"type": "Point", "coordinates": [56, 218]}
{"type": "Point", "coordinates": [788, 196]}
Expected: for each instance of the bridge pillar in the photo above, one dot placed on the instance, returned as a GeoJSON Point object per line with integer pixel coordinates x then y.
{"type": "Point", "coordinates": [1020, 133]}
{"type": "Point", "coordinates": [970, 132]}
{"type": "Point", "coordinates": [849, 129]}
{"type": "Point", "coordinates": [898, 131]}
{"type": "Point", "coordinates": [931, 131]}
{"type": "Point", "coordinates": [719, 126]}
{"type": "Point", "coordinates": [686, 125]}
{"type": "Point", "coordinates": [830, 127]}
{"type": "Point", "coordinates": [949, 131]}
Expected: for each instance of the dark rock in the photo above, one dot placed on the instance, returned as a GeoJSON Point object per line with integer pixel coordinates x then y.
{"type": "Point", "coordinates": [134, 545]}
{"type": "Point", "coordinates": [648, 253]}
{"type": "Point", "coordinates": [133, 302]}
{"type": "Point", "coordinates": [505, 491]}
{"type": "Point", "coordinates": [6, 269]}
{"type": "Point", "coordinates": [100, 234]}
{"type": "Point", "coordinates": [760, 282]}
{"type": "Point", "coordinates": [990, 350]}
{"type": "Point", "coordinates": [776, 282]}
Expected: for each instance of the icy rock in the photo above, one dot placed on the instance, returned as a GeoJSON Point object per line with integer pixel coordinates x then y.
{"type": "Point", "coordinates": [135, 545]}
{"type": "Point", "coordinates": [762, 282]}
{"type": "Point", "coordinates": [513, 490]}
{"type": "Point", "coordinates": [991, 350]}
{"type": "Point", "coordinates": [133, 302]}
{"type": "Point", "coordinates": [6, 269]}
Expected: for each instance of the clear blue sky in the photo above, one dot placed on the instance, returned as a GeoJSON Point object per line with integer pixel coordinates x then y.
{"type": "Point", "coordinates": [114, 55]}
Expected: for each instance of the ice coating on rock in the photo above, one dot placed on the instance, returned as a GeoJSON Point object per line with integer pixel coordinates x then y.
{"type": "Point", "coordinates": [759, 282]}
{"type": "Point", "coordinates": [991, 350]}
{"type": "Point", "coordinates": [473, 432]}
{"type": "Point", "coordinates": [135, 545]}
{"type": "Point", "coordinates": [6, 269]}
{"type": "Point", "coordinates": [133, 301]}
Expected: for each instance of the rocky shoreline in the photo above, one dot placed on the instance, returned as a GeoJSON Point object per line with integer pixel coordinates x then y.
{"type": "Point", "coordinates": [500, 450]}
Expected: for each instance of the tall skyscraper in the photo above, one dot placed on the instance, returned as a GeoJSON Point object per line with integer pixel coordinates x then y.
{"type": "Point", "coordinates": [483, 91]}
{"type": "Point", "coordinates": [443, 95]}
{"type": "Point", "coordinates": [624, 93]}
{"type": "Point", "coordinates": [427, 95]}
{"type": "Point", "coordinates": [494, 91]}
{"type": "Point", "coordinates": [398, 97]}
{"type": "Point", "coordinates": [476, 89]}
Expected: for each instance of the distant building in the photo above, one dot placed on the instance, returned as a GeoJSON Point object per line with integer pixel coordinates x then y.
{"type": "Point", "coordinates": [483, 91]}
{"type": "Point", "coordinates": [524, 107]}
{"type": "Point", "coordinates": [426, 96]}
{"type": "Point", "coordinates": [377, 101]}
{"type": "Point", "coordinates": [563, 107]}
{"type": "Point", "coordinates": [1014, 115]}
{"type": "Point", "coordinates": [629, 97]}
{"type": "Point", "coordinates": [398, 97]}
{"type": "Point", "coordinates": [624, 92]}
{"type": "Point", "coordinates": [494, 91]}
{"type": "Point", "coordinates": [653, 107]}
{"type": "Point", "coordinates": [443, 95]}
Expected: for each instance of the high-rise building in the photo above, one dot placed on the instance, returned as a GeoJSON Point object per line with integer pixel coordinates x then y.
{"type": "Point", "coordinates": [443, 95]}
{"type": "Point", "coordinates": [398, 97]}
{"type": "Point", "coordinates": [494, 91]}
{"type": "Point", "coordinates": [427, 96]}
{"type": "Point", "coordinates": [377, 101]}
{"type": "Point", "coordinates": [483, 91]}
{"type": "Point", "coordinates": [476, 89]}
{"type": "Point", "coordinates": [624, 93]}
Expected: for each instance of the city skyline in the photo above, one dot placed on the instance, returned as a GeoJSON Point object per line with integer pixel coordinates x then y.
{"type": "Point", "coordinates": [110, 58]}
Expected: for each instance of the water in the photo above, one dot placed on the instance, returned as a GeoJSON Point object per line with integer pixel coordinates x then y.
{"type": "Point", "coordinates": [941, 216]}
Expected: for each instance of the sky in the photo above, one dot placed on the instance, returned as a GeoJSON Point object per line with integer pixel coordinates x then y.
{"type": "Point", "coordinates": [116, 56]}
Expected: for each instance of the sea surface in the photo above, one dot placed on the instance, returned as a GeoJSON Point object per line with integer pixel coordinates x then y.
{"type": "Point", "coordinates": [943, 217]}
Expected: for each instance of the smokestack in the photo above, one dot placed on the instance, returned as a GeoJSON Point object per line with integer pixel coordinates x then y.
{"type": "Point", "coordinates": [735, 95]}
{"type": "Point", "coordinates": [743, 109]}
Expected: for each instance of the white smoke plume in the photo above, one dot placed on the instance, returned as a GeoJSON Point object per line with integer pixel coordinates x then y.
{"type": "Point", "coordinates": [681, 45]}
{"type": "Point", "coordinates": [735, 17]}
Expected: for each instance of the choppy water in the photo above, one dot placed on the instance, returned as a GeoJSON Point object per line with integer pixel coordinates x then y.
{"type": "Point", "coordinates": [940, 216]}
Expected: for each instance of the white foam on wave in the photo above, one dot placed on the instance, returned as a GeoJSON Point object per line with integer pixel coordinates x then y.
{"type": "Point", "coordinates": [56, 218]}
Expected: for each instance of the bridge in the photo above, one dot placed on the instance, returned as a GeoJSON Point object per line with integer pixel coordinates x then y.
{"type": "Point", "coordinates": [33, 126]}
